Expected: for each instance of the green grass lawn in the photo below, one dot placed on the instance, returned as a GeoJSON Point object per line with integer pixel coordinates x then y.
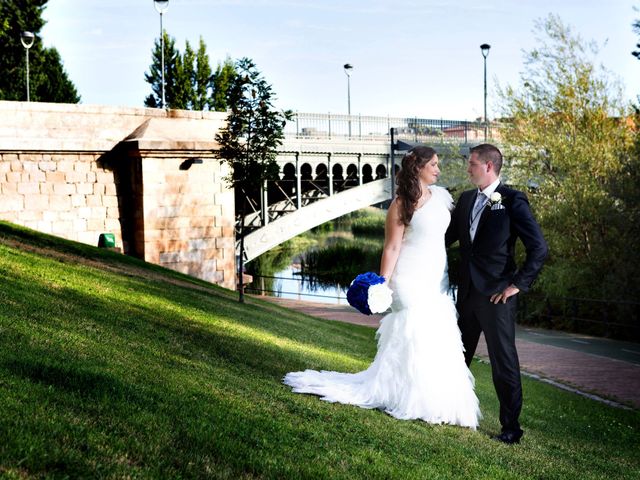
{"type": "Point", "coordinates": [110, 367]}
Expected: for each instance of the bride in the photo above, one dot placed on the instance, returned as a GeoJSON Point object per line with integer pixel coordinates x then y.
{"type": "Point", "coordinates": [419, 371]}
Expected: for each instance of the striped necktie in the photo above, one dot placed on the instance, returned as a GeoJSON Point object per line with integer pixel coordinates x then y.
{"type": "Point", "coordinates": [481, 200]}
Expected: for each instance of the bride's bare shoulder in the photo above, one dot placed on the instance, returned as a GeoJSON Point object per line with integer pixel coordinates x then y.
{"type": "Point", "coordinates": [395, 204]}
{"type": "Point", "coordinates": [395, 207]}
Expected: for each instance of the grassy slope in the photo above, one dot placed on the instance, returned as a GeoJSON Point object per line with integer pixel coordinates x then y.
{"type": "Point", "coordinates": [113, 368]}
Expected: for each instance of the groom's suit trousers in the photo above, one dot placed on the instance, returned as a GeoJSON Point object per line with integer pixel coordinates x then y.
{"type": "Point", "coordinates": [476, 314]}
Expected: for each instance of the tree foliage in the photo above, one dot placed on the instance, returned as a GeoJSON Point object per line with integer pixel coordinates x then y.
{"type": "Point", "coordinates": [253, 131]}
{"type": "Point", "coordinates": [570, 135]}
{"type": "Point", "coordinates": [223, 78]}
{"type": "Point", "coordinates": [189, 83]}
{"type": "Point", "coordinates": [154, 76]}
{"type": "Point", "coordinates": [183, 87]}
{"type": "Point", "coordinates": [202, 81]}
{"type": "Point", "coordinates": [47, 78]}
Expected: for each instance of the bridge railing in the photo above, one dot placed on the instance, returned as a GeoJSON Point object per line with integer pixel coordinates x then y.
{"type": "Point", "coordinates": [376, 128]}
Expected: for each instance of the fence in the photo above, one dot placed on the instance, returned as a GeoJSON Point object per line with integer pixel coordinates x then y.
{"type": "Point", "coordinates": [608, 318]}
{"type": "Point", "coordinates": [265, 284]}
{"type": "Point", "coordinates": [374, 128]}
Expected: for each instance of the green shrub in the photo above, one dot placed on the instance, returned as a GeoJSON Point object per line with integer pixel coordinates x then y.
{"type": "Point", "coordinates": [369, 226]}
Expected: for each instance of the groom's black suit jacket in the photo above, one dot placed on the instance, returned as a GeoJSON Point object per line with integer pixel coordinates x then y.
{"type": "Point", "coordinates": [488, 262]}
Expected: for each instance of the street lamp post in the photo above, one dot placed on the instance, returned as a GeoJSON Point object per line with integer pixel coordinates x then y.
{"type": "Point", "coordinates": [250, 96]}
{"type": "Point", "coordinates": [161, 7]}
{"type": "Point", "coordinates": [347, 70]}
{"type": "Point", "coordinates": [484, 48]}
{"type": "Point", "coordinates": [27, 38]}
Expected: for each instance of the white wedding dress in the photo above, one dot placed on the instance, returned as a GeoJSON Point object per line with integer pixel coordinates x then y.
{"type": "Point", "coordinates": [419, 370]}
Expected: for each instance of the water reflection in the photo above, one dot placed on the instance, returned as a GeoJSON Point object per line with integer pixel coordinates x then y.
{"type": "Point", "coordinates": [319, 265]}
{"type": "Point", "coordinates": [291, 284]}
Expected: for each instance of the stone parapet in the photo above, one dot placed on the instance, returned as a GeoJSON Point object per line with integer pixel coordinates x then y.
{"type": "Point", "coordinates": [63, 127]}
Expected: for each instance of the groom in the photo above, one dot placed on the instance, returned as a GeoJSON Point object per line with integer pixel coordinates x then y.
{"type": "Point", "coordinates": [487, 221]}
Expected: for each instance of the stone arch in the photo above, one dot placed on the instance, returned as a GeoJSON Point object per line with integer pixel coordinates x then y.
{"type": "Point", "coordinates": [338, 179]}
{"type": "Point", "coordinates": [322, 177]}
{"type": "Point", "coordinates": [352, 175]}
{"type": "Point", "coordinates": [306, 171]}
{"type": "Point", "coordinates": [289, 171]}
{"type": "Point", "coordinates": [286, 185]}
{"type": "Point", "coordinates": [306, 177]}
{"type": "Point", "coordinates": [321, 171]}
{"type": "Point", "coordinates": [367, 173]}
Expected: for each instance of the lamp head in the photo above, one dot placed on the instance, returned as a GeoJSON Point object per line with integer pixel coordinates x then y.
{"type": "Point", "coordinates": [161, 5]}
{"type": "Point", "coordinates": [485, 49]}
{"type": "Point", "coordinates": [347, 69]}
{"type": "Point", "coordinates": [27, 39]}
{"type": "Point", "coordinates": [186, 165]}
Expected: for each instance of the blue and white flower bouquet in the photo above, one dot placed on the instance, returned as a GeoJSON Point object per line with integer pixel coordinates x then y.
{"type": "Point", "coordinates": [368, 293]}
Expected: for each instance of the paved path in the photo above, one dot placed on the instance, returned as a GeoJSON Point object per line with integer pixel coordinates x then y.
{"type": "Point", "coordinates": [603, 367]}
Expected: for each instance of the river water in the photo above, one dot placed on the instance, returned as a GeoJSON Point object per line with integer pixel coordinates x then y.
{"type": "Point", "coordinates": [289, 283]}
{"type": "Point", "coordinates": [289, 272]}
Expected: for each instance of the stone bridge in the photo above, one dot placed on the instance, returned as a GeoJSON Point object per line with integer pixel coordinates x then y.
{"type": "Point", "coordinates": [331, 165]}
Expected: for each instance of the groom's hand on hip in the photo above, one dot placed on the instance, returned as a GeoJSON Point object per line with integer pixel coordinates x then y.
{"type": "Point", "coordinates": [503, 296]}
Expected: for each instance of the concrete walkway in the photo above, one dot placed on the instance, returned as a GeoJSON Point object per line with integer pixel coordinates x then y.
{"type": "Point", "coordinates": [596, 367]}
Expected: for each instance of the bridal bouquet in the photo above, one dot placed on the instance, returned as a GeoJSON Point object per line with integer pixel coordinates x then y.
{"type": "Point", "coordinates": [369, 294]}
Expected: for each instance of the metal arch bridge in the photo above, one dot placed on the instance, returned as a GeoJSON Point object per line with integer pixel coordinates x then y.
{"type": "Point", "coordinates": [331, 165]}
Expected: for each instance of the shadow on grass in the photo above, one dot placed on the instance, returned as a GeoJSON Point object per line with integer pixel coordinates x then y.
{"type": "Point", "coordinates": [39, 367]}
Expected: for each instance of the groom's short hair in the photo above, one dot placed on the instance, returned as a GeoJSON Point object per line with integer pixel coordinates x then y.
{"type": "Point", "coordinates": [488, 153]}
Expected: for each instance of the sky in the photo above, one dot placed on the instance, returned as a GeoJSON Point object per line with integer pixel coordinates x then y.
{"type": "Point", "coordinates": [410, 57]}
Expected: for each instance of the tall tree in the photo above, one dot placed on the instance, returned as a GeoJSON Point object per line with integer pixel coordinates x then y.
{"type": "Point", "coordinates": [202, 79]}
{"type": "Point", "coordinates": [570, 135]}
{"type": "Point", "coordinates": [188, 79]}
{"type": "Point", "coordinates": [48, 80]}
{"type": "Point", "coordinates": [154, 76]}
{"type": "Point", "coordinates": [249, 140]}
{"type": "Point", "coordinates": [183, 88]}
{"type": "Point", "coordinates": [223, 78]}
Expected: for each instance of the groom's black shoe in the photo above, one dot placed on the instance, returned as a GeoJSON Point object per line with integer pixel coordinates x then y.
{"type": "Point", "coordinates": [509, 437]}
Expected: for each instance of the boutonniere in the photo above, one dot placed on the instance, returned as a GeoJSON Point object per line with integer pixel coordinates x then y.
{"type": "Point", "coordinates": [495, 200]}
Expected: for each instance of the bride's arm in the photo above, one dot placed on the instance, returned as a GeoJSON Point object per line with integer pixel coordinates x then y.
{"type": "Point", "coordinates": [393, 232]}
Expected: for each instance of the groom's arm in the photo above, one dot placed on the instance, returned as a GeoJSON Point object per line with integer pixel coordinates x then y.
{"type": "Point", "coordinates": [529, 232]}
{"type": "Point", "coordinates": [451, 236]}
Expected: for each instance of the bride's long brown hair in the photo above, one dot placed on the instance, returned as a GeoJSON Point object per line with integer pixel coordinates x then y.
{"type": "Point", "coordinates": [408, 181]}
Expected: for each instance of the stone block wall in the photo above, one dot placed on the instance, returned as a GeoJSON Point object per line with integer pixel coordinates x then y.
{"type": "Point", "coordinates": [188, 217]}
{"type": "Point", "coordinates": [148, 176]}
{"type": "Point", "coordinates": [68, 195]}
